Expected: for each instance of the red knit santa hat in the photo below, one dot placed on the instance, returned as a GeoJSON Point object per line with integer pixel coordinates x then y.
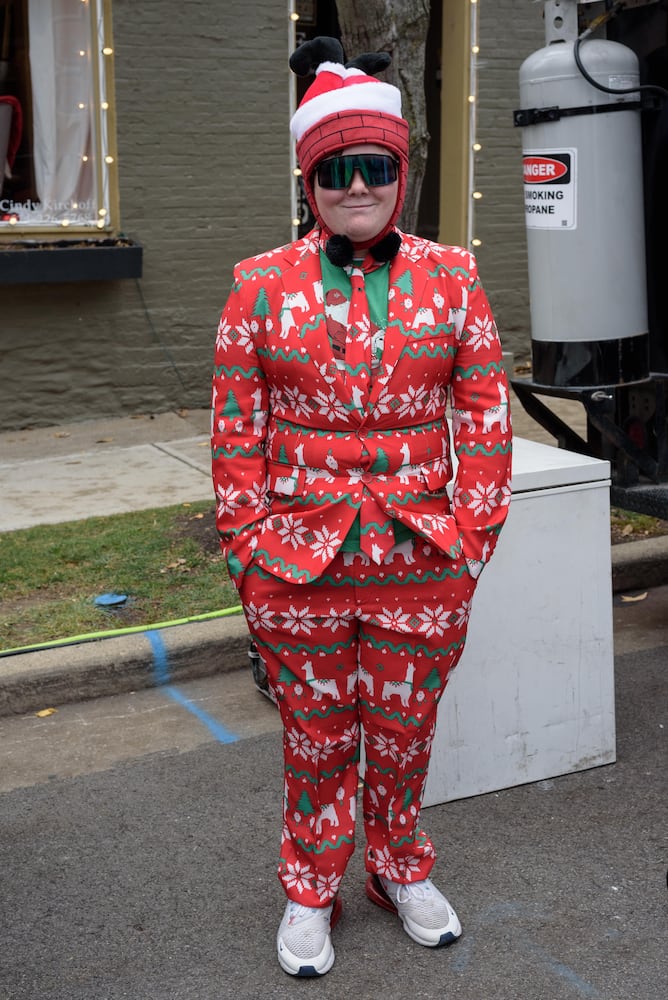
{"type": "Point", "coordinates": [346, 106]}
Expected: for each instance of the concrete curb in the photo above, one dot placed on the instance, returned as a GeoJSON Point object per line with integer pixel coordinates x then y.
{"type": "Point", "coordinates": [120, 664]}
{"type": "Point", "coordinates": [640, 565]}
{"type": "Point", "coordinates": [100, 668]}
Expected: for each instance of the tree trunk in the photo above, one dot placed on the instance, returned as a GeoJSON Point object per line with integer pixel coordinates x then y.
{"type": "Point", "coordinates": [400, 28]}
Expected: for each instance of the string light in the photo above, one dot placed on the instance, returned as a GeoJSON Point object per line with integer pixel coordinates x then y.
{"type": "Point", "coordinates": [476, 195]}
{"type": "Point", "coordinates": [82, 213]}
{"type": "Point", "coordinates": [294, 16]}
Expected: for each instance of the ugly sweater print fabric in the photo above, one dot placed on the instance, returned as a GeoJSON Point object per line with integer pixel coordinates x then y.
{"type": "Point", "coordinates": [294, 458]}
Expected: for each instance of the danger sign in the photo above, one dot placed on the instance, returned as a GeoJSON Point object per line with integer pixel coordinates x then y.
{"type": "Point", "coordinates": [549, 189]}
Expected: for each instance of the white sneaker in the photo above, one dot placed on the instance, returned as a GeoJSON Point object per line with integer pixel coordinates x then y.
{"type": "Point", "coordinates": [425, 913]}
{"type": "Point", "coordinates": [304, 939]}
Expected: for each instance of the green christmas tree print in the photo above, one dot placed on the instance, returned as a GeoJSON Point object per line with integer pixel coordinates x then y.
{"type": "Point", "coordinates": [381, 463]}
{"type": "Point", "coordinates": [305, 806]}
{"type": "Point", "coordinates": [261, 307]}
{"type": "Point", "coordinates": [433, 682]}
{"type": "Point", "coordinates": [287, 676]}
{"type": "Point", "coordinates": [405, 283]}
{"type": "Point", "coordinates": [231, 408]}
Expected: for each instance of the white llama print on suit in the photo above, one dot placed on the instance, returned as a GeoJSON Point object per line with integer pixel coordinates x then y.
{"type": "Point", "coordinates": [291, 300]}
{"type": "Point", "coordinates": [327, 814]}
{"type": "Point", "coordinates": [320, 686]}
{"type": "Point", "coordinates": [463, 418]}
{"type": "Point", "coordinates": [366, 679]}
{"type": "Point", "coordinates": [400, 689]}
{"type": "Point", "coordinates": [259, 415]}
{"type": "Point", "coordinates": [497, 414]}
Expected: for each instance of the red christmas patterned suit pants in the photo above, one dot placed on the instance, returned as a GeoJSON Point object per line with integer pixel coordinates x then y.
{"type": "Point", "coordinates": [363, 652]}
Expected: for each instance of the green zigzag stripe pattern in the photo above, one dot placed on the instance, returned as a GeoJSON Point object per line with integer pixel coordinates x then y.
{"type": "Point", "coordinates": [247, 373]}
{"type": "Point", "coordinates": [428, 352]}
{"type": "Point", "coordinates": [380, 529]}
{"type": "Point", "coordinates": [266, 352]}
{"type": "Point", "coordinates": [398, 647]}
{"type": "Point", "coordinates": [391, 716]}
{"type": "Point", "coordinates": [408, 578]}
{"type": "Point", "coordinates": [334, 710]}
{"type": "Point", "coordinates": [306, 645]}
{"type": "Point", "coordinates": [308, 499]}
{"type": "Point", "coordinates": [393, 770]}
{"type": "Point", "coordinates": [456, 271]}
{"type": "Point", "coordinates": [308, 327]}
{"type": "Point", "coordinates": [287, 425]}
{"type": "Point", "coordinates": [222, 453]}
{"type": "Point", "coordinates": [493, 366]}
{"type": "Point", "coordinates": [295, 571]}
{"type": "Point", "coordinates": [261, 271]}
{"type": "Point", "coordinates": [441, 329]}
{"type": "Point", "coordinates": [401, 841]}
{"type": "Point", "coordinates": [479, 449]}
{"type": "Point", "coordinates": [326, 845]}
{"type": "Point", "coordinates": [310, 777]}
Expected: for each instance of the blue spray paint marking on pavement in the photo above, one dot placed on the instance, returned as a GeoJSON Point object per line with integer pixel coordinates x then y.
{"type": "Point", "coordinates": [161, 677]}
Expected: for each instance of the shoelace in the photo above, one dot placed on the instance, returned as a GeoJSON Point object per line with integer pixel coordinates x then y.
{"type": "Point", "coordinates": [413, 891]}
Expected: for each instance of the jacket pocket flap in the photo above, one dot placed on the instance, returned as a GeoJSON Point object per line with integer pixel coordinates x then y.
{"type": "Point", "coordinates": [285, 480]}
{"type": "Point", "coordinates": [434, 478]}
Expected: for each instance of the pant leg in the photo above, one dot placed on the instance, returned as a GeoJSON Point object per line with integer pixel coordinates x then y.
{"type": "Point", "coordinates": [308, 640]}
{"type": "Point", "coordinates": [414, 621]}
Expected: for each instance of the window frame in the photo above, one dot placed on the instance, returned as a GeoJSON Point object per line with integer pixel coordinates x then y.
{"type": "Point", "coordinates": [106, 175]}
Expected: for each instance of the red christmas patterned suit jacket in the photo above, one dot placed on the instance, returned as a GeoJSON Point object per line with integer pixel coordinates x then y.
{"type": "Point", "coordinates": [294, 457]}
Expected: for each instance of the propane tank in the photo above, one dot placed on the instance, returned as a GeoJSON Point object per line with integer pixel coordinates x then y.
{"type": "Point", "coordinates": [583, 195]}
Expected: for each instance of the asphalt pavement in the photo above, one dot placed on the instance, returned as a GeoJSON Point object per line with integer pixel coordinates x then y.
{"type": "Point", "coordinates": [138, 841]}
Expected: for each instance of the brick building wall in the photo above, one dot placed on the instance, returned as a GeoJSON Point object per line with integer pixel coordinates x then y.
{"type": "Point", "coordinates": [202, 125]}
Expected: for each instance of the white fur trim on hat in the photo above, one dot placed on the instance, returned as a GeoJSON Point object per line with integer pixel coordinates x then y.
{"type": "Point", "coordinates": [367, 95]}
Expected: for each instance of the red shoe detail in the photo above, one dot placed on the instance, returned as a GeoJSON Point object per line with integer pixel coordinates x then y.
{"type": "Point", "coordinates": [376, 893]}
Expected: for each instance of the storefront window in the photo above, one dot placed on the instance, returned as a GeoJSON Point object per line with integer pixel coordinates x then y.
{"type": "Point", "coordinates": [57, 143]}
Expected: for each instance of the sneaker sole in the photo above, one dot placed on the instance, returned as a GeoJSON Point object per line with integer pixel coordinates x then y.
{"type": "Point", "coordinates": [376, 893]}
{"type": "Point", "coordinates": [310, 971]}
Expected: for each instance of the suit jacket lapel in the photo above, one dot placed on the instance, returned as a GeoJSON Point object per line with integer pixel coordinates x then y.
{"type": "Point", "coordinates": [408, 286]}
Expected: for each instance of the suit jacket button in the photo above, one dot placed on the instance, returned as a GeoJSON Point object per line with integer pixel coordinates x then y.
{"type": "Point", "coordinates": [368, 477]}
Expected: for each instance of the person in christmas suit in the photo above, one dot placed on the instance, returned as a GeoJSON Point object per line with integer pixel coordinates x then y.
{"type": "Point", "coordinates": [335, 359]}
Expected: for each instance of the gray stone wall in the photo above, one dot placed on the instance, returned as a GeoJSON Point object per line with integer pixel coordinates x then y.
{"type": "Point", "coordinates": [510, 30]}
{"type": "Point", "coordinates": [202, 113]}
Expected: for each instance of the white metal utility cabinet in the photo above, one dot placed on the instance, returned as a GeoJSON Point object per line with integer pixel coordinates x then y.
{"type": "Point", "coordinates": [533, 695]}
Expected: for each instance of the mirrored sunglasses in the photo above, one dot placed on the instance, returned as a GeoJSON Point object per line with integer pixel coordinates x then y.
{"type": "Point", "coordinates": [376, 169]}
